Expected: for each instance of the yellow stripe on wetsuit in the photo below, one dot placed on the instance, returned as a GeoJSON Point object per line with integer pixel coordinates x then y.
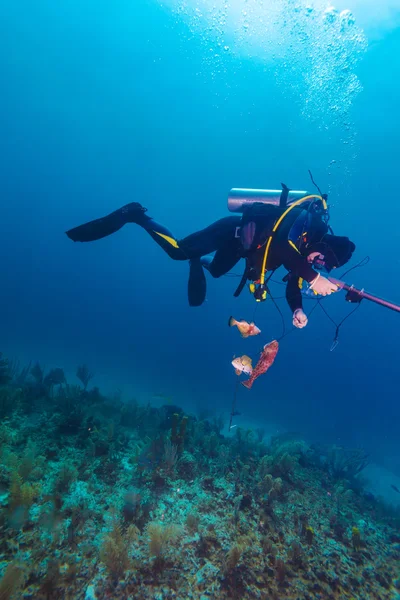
{"type": "Point", "coordinates": [294, 246]}
{"type": "Point", "coordinates": [168, 239]}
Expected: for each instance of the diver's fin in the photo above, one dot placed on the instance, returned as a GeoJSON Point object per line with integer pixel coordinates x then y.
{"type": "Point", "coordinates": [99, 228]}
{"type": "Point", "coordinates": [231, 322]}
{"type": "Point", "coordinates": [95, 230]}
{"type": "Point", "coordinates": [197, 286]}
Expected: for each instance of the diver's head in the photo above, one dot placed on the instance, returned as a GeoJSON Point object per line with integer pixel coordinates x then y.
{"type": "Point", "coordinates": [331, 252]}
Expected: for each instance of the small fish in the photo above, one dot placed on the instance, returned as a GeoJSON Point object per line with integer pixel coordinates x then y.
{"type": "Point", "coordinates": [395, 488]}
{"type": "Point", "coordinates": [266, 359]}
{"type": "Point", "coordinates": [243, 364]}
{"type": "Point", "coordinates": [246, 329]}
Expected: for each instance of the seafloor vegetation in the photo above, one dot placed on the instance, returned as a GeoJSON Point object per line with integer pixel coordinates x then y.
{"type": "Point", "coordinates": [103, 499]}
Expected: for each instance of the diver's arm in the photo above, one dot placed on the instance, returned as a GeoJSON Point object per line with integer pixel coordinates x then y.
{"type": "Point", "coordinates": [294, 299]}
{"type": "Point", "coordinates": [297, 264]}
{"type": "Point", "coordinates": [293, 294]}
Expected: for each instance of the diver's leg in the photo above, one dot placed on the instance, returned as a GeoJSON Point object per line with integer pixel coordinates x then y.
{"type": "Point", "coordinates": [224, 259]}
{"type": "Point", "coordinates": [131, 213]}
{"type": "Point", "coordinates": [215, 236]}
{"type": "Point", "coordinates": [195, 245]}
{"type": "Point", "coordinates": [163, 237]}
{"type": "Point", "coordinates": [212, 238]}
{"type": "Point", "coordinates": [219, 237]}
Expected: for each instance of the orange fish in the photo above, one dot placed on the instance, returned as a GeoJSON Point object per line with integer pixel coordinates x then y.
{"type": "Point", "coordinates": [246, 329]}
{"type": "Point", "coordinates": [265, 361]}
{"type": "Point", "coordinates": [243, 364]}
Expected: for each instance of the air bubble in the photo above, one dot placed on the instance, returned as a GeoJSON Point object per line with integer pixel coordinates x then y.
{"type": "Point", "coordinates": [331, 14]}
{"type": "Point", "coordinates": [347, 19]}
{"type": "Point", "coordinates": [314, 50]}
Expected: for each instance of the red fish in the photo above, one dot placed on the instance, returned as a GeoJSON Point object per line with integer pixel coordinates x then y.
{"type": "Point", "coordinates": [265, 361]}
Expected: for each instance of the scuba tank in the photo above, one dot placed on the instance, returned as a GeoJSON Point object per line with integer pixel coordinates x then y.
{"type": "Point", "coordinates": [240, 198]}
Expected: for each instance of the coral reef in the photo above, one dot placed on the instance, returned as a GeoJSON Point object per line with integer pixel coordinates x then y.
{"type": "Point", "coordinates": [105, 499]}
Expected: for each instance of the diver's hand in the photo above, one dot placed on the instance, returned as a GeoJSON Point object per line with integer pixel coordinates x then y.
{"type": "Point", "coordinates": [322, 286]}
{"type": "Point", "coordinates": [299, 318]}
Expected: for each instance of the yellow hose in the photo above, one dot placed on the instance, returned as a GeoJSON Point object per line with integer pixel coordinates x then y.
{"type": "Point", "coordinates": [279, 221]}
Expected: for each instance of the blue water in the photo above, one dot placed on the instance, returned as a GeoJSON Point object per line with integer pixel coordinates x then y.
{"type": "Point", "coordinates": [105, 104]}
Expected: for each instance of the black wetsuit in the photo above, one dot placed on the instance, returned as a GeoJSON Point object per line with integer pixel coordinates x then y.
{"type": "Point", "coordinates": [222, 238]}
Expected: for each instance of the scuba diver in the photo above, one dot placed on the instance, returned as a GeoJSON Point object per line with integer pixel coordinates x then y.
{"type": "Point", "coordinates": [276, 228]}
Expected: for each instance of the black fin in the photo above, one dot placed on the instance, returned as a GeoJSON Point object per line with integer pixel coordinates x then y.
{"type": "Point", "coordinates": [197, 286]}
{"type": "Point", "coordinates": [95, 230]}
{"type": "Point", "coordinates": [99, 228]}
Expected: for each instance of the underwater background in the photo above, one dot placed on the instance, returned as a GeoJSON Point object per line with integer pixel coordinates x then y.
{"type": "Point", "coordinates": [172, 104]}
{"type": "Point", "coordinates": [119, 476]}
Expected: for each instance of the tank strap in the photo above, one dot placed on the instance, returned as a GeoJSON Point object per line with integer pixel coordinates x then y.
{"type": "Point", "coordinates": [284, 196]}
